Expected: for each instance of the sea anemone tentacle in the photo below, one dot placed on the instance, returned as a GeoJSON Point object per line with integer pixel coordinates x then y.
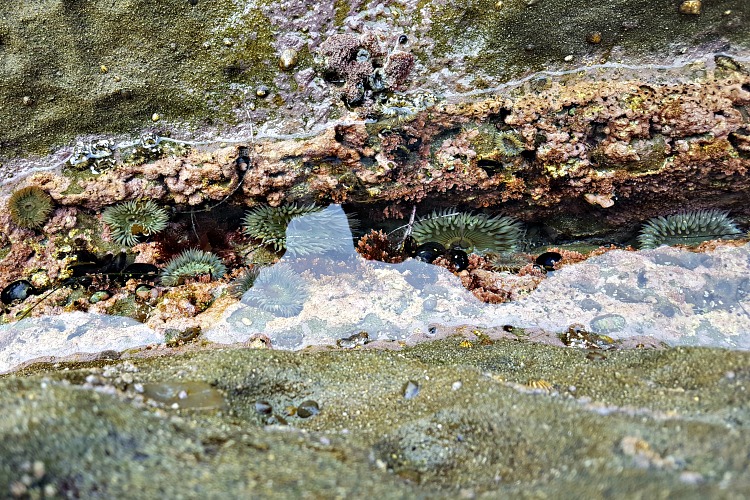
{"type": "Point", "coordinates": [470, 232]}
{"type": "Point", "coordinates": [129, 220]}
{"type": "Point", "coordinates": [192, 263]}
{"type": "Point", "coordinates": [279, 291]}
{"type": "Point", "coordinates": [30, 207]}
{"type": "Point", "coordinates": [687, 228]}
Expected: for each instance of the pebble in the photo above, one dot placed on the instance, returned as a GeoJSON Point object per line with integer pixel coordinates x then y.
{"type": "Point", "coordinates": [155, 117]}
{"type": "Point", "coordinates": [691, 7]}
{"type": "Point", "coordinates": [288, 59]}
{"type": "Point", "coordinates": [568, 58]}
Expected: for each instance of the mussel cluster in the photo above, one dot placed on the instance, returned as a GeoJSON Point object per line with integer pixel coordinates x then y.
{"type": "Point", "coordinates": [88, 270]}
{"type": "Point", "coordinates": [431, 250]}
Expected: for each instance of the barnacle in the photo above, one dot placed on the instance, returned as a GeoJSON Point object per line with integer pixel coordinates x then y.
{"type": "Point", "coordinates": [243, 282]}
{"type": "Point", "coordinates": [687, 228]}
{"type": "Point", "coordinates": [192, 263]}
{"type": "Point", "coordinates": [279, 291]}
{"type": "Point", "coordinates": [131, 219]}
{"type": "Point", "coordinates": [30, 207]}
{"type": "Point", "coordinates": [470, 232]}
{"type": "Point", "coordinates": [268, 224]}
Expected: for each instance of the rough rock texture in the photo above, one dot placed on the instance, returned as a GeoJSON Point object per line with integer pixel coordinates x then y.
{"type": "Point", "coordinates": [487, 420]}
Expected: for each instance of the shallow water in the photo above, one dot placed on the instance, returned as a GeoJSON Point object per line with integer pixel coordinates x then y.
{"type": "Point", "coordinates": [329, 292]}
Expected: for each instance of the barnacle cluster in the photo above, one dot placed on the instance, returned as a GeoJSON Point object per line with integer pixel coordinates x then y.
{"type": "Point", "coordinates": [471, 232]}
{"type": "Point", "coordinates": [687, 228]}
{"type": "Point", "coordinates": [190, 264]}
{"type": "Point", "coordinates": [30, 207]}
{"type": "Point", "coordinates": [403, 107]}
{"type": "Point", "coordinates": [279, 291]}
{"type": "Point", "coordinates": [363, 65]}
{"type": "Point", "coordinates": [131, 219]}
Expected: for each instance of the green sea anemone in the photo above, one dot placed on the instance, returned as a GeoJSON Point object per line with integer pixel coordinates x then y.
{"type": "Point", "coordinates": [244, 282]}
{"type": "Point", "coordinates": [30, 207]}
{"type": "Point", "coordinates": [268, 224]}
{"type": "Point", "coordinates": [313, 229]}
{"type": "Point", "coordinates": [131, 219]}
{"type": "Point", "coordinates": [192, 263]}
{"type": "Point", "coordinates": [471, 232]}
{"type": "Point", "coordinates": [508, 144]}
{"type": "Point", "coordinates": [279, 291]}
{"type": "Point", "coordinates": [324, 232]}
{"type": "Point", "coordinates": [687, 228]}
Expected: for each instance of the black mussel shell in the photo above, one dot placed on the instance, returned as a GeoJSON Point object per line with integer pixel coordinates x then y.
{"type": "Point", "coordinates": [76, 281]}
{"type": "Point", "coordinates": [428, 252]}
{"type": "Point", "coordinates": [432, 246]}
{"type": "Point", "coordinates": [263, 407]}
{"type": "Point", "coordinates": [459, 259]}
{"type": "Point", "coordinates": [410, 247]}
{"type": "Point", "coordinates": [140, 270]}
{"type": "Point", "coordinates": [18, 290]}
{"type": "Point", "coordinates": [426, 256]}
{"type": "Point", "coordinates": [86, 269]}
{"type": "Point", "coordinates": [547, 260]}
{"type": "Point", "coordinates": [114, 263]}
{"type": "Point", "coordinates": [85, 257]}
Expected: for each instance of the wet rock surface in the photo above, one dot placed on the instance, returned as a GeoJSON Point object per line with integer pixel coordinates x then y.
{"type": "Point", "coordinates": [489, 419]}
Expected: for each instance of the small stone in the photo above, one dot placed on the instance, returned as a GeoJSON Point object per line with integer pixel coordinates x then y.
{"type": "Point", "coordinates": [38, 469]}
{"type": "Point", "coordinates": [227, 42]}
{"type": "Point", "coordinates": [261, 91]}
{"type": "Point", "coordinates": [103, 69]}
{"type": "Point", "coordinates": [691, 7]}
{"type": "Point", "coordinates": [568, 58]}
{"type": "Point", "coordinates": [410, 389]}
{"type": "Point", "coordinates": [17, 489]}
{"type": "Point", "coordinates": [691, 478]}
{"type": "Point", "coordinates": [288, 59]}
{"type": "Point", "coordinates": [308, 409]}
{"type": "Point", "coordinates": [608, 323]}
{"type": "Point", "coordinates": [27, 100]}
{"type": "Point", "coordinates": [155, 117]}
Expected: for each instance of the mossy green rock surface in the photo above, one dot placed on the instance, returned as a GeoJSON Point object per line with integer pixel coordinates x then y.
{"type": "Point", "coordinates": [508, 418]}
{"type": "Point", "coordinates": [101, 67]}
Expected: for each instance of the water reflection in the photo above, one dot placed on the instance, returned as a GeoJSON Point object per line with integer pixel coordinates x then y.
{"type": "Point", "coordinates": [70, 333]}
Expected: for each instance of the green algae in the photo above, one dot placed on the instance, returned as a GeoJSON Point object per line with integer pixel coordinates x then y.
{"type": "Point", "coordinates": [474, 426]}
{"type": "Point", "coordinates": [99, 67]}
